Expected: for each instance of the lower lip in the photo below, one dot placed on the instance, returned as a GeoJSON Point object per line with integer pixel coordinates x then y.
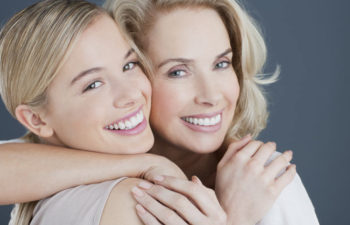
{"type": "Point", "coordinates": [204, 129]}
{"type": "Point", "coordinates": [134, 131]}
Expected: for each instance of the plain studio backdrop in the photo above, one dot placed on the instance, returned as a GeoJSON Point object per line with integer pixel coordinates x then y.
{"type": "Point", "coordinates": [309, 104]}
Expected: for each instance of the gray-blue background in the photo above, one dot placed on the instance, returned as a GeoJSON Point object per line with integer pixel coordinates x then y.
{"type": "Point", "coordinates": [309, 105]}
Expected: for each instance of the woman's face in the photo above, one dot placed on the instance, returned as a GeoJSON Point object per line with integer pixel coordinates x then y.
{"type": "Point", "coordinates": [195, 88]}
{"type": "Point", "coordinates": [100, 99]}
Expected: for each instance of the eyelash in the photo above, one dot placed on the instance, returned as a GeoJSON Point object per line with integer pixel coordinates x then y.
{"type": "Point", "coordinates": [228, 63]}
{"type": "Point", "coordinates": [92, 86]}
{"type": "Point", "coordinates": [174, 73]}
{"type": "Point", "coordinates": [127, 66]}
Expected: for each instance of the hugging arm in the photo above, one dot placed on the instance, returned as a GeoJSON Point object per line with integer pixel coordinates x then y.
{"type": "Point", "coordinates": [36, 171]}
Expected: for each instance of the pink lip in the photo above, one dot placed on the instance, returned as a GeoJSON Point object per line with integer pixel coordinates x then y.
{"type": "Point", "coordinates": [205, 115]}
{"type": "Point", "coordinates": [205, 129]}
{"type": "Point", "coordinates": [127, 116]}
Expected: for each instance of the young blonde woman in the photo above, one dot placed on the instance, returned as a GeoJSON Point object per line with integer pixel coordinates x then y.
{"type": "Point", "coordinates": [195, 203]}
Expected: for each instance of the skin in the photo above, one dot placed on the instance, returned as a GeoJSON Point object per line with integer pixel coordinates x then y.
{"type": "Point", "coordinates": [115, 88]}
{"type": "Point", "coordinates": [195, 72]}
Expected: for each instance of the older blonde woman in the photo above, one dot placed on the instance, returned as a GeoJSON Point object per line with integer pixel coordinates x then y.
{"type": "Point", "coordinates": [207, 56]}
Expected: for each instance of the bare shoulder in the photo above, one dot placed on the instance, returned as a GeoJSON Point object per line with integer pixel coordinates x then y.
{"type": "Point", "coordinates": [120, 206]}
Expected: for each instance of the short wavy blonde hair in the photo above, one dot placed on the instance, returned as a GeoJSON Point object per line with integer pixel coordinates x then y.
{"type": "Point", "coordinates": [248, 46]}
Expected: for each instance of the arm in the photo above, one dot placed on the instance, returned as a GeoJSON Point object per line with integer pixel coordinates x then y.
{"type": "Point", "coordinates": [120, 206]}
{"type": "Point", "coordinates": [36, 171]}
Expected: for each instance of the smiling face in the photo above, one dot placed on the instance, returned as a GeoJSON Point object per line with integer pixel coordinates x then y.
{"type": "Point", "coordinates": [100, 98]}
{"type": "Point", "coordinates": [195, 88]}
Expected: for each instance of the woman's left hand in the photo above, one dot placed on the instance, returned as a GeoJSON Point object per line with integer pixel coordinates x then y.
{"type": "Point", "coordinates": [177, 201]}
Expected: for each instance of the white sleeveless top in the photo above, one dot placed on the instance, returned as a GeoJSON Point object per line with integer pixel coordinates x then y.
{"type": "Point", "coordinates": [81, 205]}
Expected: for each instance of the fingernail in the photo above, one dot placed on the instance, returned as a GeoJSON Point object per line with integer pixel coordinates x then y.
{"type": "Point", "coordinates": [158, 178]}
{"type": "Point", "coordinates": [145, 185]}
{"type": "Point", "coordinates": [140, 209]}
{"type": "Point", "coordinates": [137, 191]}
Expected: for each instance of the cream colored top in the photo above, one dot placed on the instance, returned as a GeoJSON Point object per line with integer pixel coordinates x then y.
{"type": "Point", "coordinates": [82, 205]}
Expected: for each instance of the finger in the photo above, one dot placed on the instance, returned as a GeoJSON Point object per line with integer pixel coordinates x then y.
{"type": "Point", "coordinates": [178, 202]}
{"type": "Point", "coordinates": [146, 217]}
{"type": "Point", "coordinates": [278, 165]}
{"type": "Point", "coordinates": [161, 212]}
{"type": "Point", "coordinates": [286, 178]}
{"type": "Point", "coordinates": [234, 147]}
{"type": "Point", "coordinates": [264, 153]}
{"type": "Point", "coordinates": [199, 194]}
{"type": "Point", "coordinates": [250, 149]}
{"type": "Point", "coordinates": [196, 180]}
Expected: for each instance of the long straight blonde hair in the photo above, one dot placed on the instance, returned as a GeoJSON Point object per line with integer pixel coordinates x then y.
{"type": "Point", "coordinates": [34, 44]}
{"type": "Point", "coordinates": [248, 46]}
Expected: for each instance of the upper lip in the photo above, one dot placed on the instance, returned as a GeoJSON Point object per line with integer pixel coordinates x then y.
{"type": "Point", "coordinates": [127, 116]}
{"type": "Point", "coordinates": [205, 115]}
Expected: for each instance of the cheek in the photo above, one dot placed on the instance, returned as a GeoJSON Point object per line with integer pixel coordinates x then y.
{"type": "Point", "coordinates": [81, 114]}
{"type": "Point", "coordinates": [161, 102]}
{"type": "Point", "coordinates": [167, 100]}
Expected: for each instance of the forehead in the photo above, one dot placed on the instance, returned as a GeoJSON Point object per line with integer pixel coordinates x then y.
{"type": "Point", "coordinates": [100, 45]}
{"type": "Point", "coordinates": [182, 30]}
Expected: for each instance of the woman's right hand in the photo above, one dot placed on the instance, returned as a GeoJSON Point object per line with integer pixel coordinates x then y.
{"type": "Point", "coordinates": [246, 185]}
{"type": "Point", "coordinates": [177, 201]}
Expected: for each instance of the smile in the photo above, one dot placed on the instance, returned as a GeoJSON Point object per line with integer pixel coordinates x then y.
{"type": "Point", "coordinates": [128, 123]}
{"type": "Point", "coordinates": [206, 121]}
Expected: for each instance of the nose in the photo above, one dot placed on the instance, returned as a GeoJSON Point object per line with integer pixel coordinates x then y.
{"type": "Point", "coordinates": [207, 91]}
{"type": "Point", "coordinates": [126, 95]}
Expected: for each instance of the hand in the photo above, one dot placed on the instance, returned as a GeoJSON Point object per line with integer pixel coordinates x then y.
{"type": "Point", "coordinates": [177, 201]}
{"type": "Point", "coordinates": [245, 186]}
{"type": "Point", "coordinates": [161, 166]}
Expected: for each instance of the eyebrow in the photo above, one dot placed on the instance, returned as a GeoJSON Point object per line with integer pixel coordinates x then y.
{"type": "Point", "coordinates": [96, 69]}
{"type": "Point", "coordinates": [227, 51]}
{"type": "Point", "coordinates": [187, 61]}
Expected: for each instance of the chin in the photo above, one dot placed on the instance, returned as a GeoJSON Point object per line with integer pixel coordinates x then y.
{"type": "Point", "coordinates": [204, 147]}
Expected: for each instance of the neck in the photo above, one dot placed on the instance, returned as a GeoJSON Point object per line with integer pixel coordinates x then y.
{"type": "Point", "coordinates": [191, 163]}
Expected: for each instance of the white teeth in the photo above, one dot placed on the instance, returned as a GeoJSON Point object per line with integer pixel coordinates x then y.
{"type": "Point", "coordinates": [201, 122]}
{"type": "Point", "coordinates": [121, 125]}
{"type": "Point", "coordinates": [210, 121]}
{"type": "Point", "coordinates": [127, 124]}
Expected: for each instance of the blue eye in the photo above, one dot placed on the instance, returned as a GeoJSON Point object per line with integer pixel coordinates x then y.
{"type": "Point", "coordinates": [177, 73]}
{"type": "Point", "coordinates": [93, 85]}
{"type": "Point", "coordinates": [130, 66]}
{"type": "Point", "coordinates": [222, 65]}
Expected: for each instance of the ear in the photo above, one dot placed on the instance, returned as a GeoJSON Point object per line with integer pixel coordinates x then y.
{"type": "Point", "coordinates": [33, 121]}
